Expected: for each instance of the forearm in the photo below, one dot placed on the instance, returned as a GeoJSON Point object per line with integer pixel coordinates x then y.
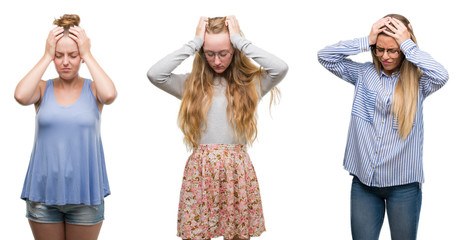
{"type": "Point", "coordinates": [27, 91]}
{"type": "Point", "coordinates": [275, 67]}
{"type": "Point", "coordinates": [105, 89]}
{"type": "Point", "coordinates": [433, 71]}
{"type": "Point", "coordinates": [161, 71]}
{"type": "Point", "coordinates": [160, 74]}
{"type": "Point", "coordinates": [335, 58]}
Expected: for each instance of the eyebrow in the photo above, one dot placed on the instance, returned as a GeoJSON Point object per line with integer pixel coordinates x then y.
{"type": "Point", "coordinates": [224, 50]}
{"type": "Point", "coordinates": [387, 48]}
{"type": "Point", "coordinates": [68, 53]}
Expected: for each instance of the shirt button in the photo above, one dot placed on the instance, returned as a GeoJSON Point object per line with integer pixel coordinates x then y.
{"type": "Point", "coordinates": [382, 122]}
{"type": "Point", "coordinates": [373, 167]}
{"type": "Point", "coordinates": [379, 137]}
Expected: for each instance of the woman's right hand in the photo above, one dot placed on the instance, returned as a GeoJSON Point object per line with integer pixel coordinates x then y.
{"type": "Point", "coordinates": [376, 29]}
{"type": "Point", "coordinates": [201, 28]}
{"type": "Point", "coordinates": [28, 89]}
{"type": "Point", "coordinates": [53, 37]}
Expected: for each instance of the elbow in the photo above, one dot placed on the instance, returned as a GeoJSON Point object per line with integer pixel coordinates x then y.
{"type": "Point", "coordinates": [149, 74]}
{"type": "Point", "coordinates": [21, 98]}
{"type": "Point", "coordinates": [108, 98]}
{"type": "Point", "coordinates": [319, 56]}
{"type": "Point", "coordinates": [322, 56]}
{"type": "Point", "coordinates": [152, 75]}
{"type": "Point", "coordinates": [284, 69]}
{"type": "Point", "coordinates": [446, 76]}
{"type": "Point", "coordinates": [155, 77]}
{"type": "Point", "coordinates": [442, 78]}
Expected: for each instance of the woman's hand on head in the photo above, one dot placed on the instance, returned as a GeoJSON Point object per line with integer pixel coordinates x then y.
{"type": "Point", "coordinates": [53, 37]}
{"type": "Point", "coordinates": [201, 28]}
{"type": "Point", "coordinates": [83, 42]}
{"type": "Point", "coordinates": [233, 27]}
{"type": "Point", "coordinates": [376, 29]}
{"type": "Point", "coordinates": [397, 30]}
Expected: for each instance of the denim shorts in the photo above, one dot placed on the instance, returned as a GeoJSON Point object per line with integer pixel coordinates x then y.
{"type": "Point", "coordinates": [79, 214]}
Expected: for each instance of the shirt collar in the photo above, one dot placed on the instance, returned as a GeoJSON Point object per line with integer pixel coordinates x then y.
{"type": "Point", "coordinates": [394, 74]}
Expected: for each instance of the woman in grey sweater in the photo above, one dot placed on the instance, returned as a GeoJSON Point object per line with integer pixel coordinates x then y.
{"type": "Point", "coordinates": [220, 193]}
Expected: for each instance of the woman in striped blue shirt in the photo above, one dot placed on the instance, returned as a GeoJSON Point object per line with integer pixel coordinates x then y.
{"type": "Point", "coordinates": [385, 140]}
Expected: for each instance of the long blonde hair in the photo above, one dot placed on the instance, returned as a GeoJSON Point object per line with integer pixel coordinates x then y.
{"type": "Point", "coordinates": [242, 94]}
{"type": "Point", "coordinates": [404, 103]}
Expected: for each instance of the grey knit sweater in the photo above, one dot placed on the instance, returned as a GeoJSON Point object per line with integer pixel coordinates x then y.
{"type": "Point", "coordinates": [219, 129]}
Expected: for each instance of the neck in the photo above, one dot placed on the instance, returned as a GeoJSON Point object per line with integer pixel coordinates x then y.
{"type": "Point", "coordinates": [68, 83]}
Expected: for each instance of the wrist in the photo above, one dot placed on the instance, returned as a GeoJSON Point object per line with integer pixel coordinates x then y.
{"type": "Point", "coordinates": [48, 58]}
{"type": "Point", "coordinates": [86, 56]}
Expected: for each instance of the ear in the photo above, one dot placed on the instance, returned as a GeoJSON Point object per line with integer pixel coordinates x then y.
{"type": "Point", "coordinates": [410, 26]}
{"type": "Point", "coordinates": [82, 60]}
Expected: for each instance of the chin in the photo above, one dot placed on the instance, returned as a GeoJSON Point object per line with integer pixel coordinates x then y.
{"type": "Point", "coordinates": [219, 71]}
{"type": "Point", "coordinates": [67, 76]}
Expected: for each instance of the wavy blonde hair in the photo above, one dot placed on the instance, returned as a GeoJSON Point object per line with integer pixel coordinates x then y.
{"type": "Point", "coordinates": [404, 103]}
{"type": "Point", "coordinates": [243, 93]}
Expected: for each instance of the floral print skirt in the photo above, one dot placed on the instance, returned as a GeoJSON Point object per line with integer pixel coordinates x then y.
{"type": "Point", "coordinates": [220, 194]}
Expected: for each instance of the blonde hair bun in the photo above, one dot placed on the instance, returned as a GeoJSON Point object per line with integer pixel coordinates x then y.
{"type": "Point", "coordinates": [67, 20]}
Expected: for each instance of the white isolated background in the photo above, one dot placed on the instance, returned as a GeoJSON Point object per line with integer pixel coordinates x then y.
{"type": "Point", "coordinates": [299, 153]}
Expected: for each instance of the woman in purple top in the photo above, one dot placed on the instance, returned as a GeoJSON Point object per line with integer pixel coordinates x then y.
{"type": "Point", "coordinates": [66, 180]}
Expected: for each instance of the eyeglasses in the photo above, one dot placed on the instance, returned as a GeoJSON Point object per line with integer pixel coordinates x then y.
{"type": "Point", "coordinates": [210, 55]}
{"type": "Point", "coordinates": [379, 52]}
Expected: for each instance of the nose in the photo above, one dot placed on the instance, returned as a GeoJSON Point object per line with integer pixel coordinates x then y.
{"type": "Point", "coordinates": [217, 60]}
{"type": "Point", "coordinates": [65, 60]}
{"type": "Point", "coordinates": [386, 55]}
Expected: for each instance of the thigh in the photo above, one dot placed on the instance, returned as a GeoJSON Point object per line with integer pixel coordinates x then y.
{"type": "Point", "coordinates": [367, 211]}
{"type": "Point", "coordinates": [403, 211]}
{"type": "Point", "coordinates": [47, 231]}
{"type": "Point", "coordinates": [82, 232]}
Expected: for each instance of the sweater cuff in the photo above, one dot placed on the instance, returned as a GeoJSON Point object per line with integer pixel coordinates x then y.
{"type": "Point", "coordinates": [237, 41]}
{"type": "Point", "coordinates": [198, 42]}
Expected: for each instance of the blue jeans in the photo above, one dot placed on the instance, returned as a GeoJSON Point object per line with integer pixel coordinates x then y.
{"type": "Point", "coordinates": [368, 205]}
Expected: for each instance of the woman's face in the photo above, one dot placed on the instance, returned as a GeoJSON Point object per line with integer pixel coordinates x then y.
{"type": "Point", "coordinates": [67, 58]}
{"type": "Point", "coordinates": [389, 54]}
{"type": "Point", "coordinates": [218, 51]}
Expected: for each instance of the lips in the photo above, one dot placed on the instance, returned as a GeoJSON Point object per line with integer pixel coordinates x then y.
{"type": "Point", "coordinates": [65, 69]}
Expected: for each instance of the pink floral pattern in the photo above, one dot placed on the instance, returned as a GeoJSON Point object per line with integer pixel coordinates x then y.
{"type": "Point", "coordinates": [220, 195]}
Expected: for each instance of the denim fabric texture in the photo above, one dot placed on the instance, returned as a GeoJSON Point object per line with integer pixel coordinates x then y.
{"type": "Point", "coordinates": [79, 214]}
{"type": "Point", "coordinates": [369, 204]}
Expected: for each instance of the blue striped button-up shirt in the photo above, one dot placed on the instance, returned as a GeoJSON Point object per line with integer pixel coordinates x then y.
{"type": "Point", "coordinates": [375, 153]}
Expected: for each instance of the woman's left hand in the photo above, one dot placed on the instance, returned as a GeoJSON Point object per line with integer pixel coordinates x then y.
{"type": "Point", "coordinates": [78, 35]}
{"type": "Point", "coordinates": [232, 23]}
{"type": "Point", "coordinates": [397, 30]}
